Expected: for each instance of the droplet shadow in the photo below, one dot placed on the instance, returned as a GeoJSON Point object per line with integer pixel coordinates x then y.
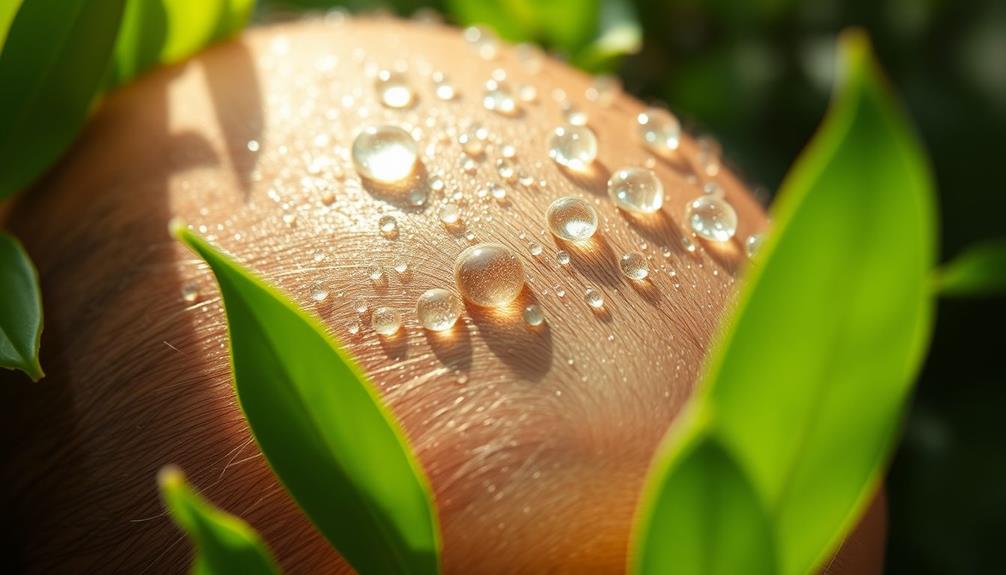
{"type": "Point", "coordinates": [593, 177]}
{"type": "Point", "coordinates": [526, 351]}
{"type": "Point", "coordinates": [453, 347]}
{"type": "Point", "coordinates": [399, 194]}
{"type": "Point", "coordinates": [593, 258]}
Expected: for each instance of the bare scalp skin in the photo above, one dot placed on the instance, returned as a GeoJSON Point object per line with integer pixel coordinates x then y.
{"type": "Point", "coordinates": [536, 459]}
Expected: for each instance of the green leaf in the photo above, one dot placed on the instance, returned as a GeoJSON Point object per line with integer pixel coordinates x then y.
{"type": "Point", "coordinates": [979, 271]}
{"type": "Point", "coordinates": [323, 428]}
{"type": "Point", "coordinates": [167, 31]}
{"type": "Point", "coordinates": [808, 379]}
{"type": "Point", "coordinates": [8, 8]}
{"type": "Point", "coordinates": [20, 310]}
{"type": "Point", "coordinates": [51, 68]}
{"type": "Point", "coordinates": [703, 517]}
{"type": "Point", "coordinates": [566, 25]}
{"type": "Point", "coordinates": [225, 545]}
{"type": "Point", "coordinates": [619, 34]}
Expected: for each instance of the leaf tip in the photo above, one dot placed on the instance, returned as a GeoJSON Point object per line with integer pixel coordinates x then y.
{"type": "Point", "coordinates": [170, 477]}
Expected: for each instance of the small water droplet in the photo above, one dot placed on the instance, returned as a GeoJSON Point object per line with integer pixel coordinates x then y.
{"type": "Point", "coordinates": [489, 274]}
{"type": "Point", "coordinates": [438, 309]}
{"type": "Point", "coordinates": [535, 249]}
{"type": "Point", "coordinates": [394, 89]}
{"type": "Point", "coordinates": [375, 272]}
{"type": "Point", "coordinates": [483, 40]}
{"type": "Point", "coordinates": [530, 56]}
{"type": "Point", "coordinates": [449, 214]}
{"type": "Point", "coordinates": [753, 244]}
{"type": "Point", "coordinates": [636, 190]}
{"type": "Point", "coordinates": [659, 130]}
{"type": "Point", "coordinates": [498, 192]}
{"type": "Point", "coordinates": [400, 266]}
{"type": "Point", "coordinates": [563, 257]}
{"type": "Point", "coordinates": [571, 219]}
{"type": "Point", "coordinates": [575, 116]}
{"type": "Point", "coordinates": [386, 321]}
{"type": "Point", "coordinates": [353, 327]}
{"type": "Point", "coordinates": [574, 147]}
{"type": "Point", "coordinates": [505, 168]}
{"type": "Point", "coordinates": [712, 189]}
{"type": "Point", "coordinates": [712, 218]}
{"type": "Point", "coordinates": [385, 154]}
{"type": "Point", "coordinates": [360, 306]}
{"type": "Point", "coordinates": [319, 294]}
{"type": "Point", "coordinates": [533, 316]}
{"type": "Point", "coordinates": [190, 293]}
{"type": "Point", "coordinates": [508, 151]}
{"type": "Point", "coordinates": [388, 226]}
{"type": "Point", "coordinates": [500, 100]}
{"type": "Point", "coordinates": [445, 91]}
{"type": "Point", "coordinates": [634, 266]}
{"type": "Point", "coordinates": [594, 298]}
{"type": "Point", "coordinates": [688, 243]}
{"type": "Point", "coordinates": [527, 93]}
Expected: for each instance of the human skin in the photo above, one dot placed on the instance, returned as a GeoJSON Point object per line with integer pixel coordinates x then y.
{"type": "Point", "coordinates": [536, 441]}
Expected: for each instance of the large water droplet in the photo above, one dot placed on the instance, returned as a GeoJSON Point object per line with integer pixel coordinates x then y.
{"type": "Point", "coordinates": [489, 275]}
{"type": "Point", "coordinates": [712, 218]}
{"type": "Point", "coordinates": [634, 266]}
{"type": "Point", "coordinates": [636, 190]}
{"type": "Point", "coordinates": [394, 89]}
{"type": "Point", "coordinates": [574, 147]}
{"type": "Point", "coordinates": [659, 130]}
{"type": "Point", "coordinates": [572, 219]}
{"type": "Point", "coordinates": [438, 309]}
{"type": "Point", "coordinates": [385, 154]}
{"type": "Point", "coordinates": [386, 321]}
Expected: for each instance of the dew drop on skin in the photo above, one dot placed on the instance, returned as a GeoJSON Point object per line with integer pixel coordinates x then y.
{"type": "Point", "coordinates": [659, 130]}
{"type": "Point", "coordinates": [386, 321]}
{"type": "Point", "coordinates": [489, 275]}
{"type": "Point", "coordinates": [571, 219]}
{"type": "Point", "coordinates": [388, 226]}
{"type": "Point", "coordinates": [634, 266]}
{"type": "Point", "coordinates": [573, 147]}
{"type": "Point", "coordinates": [711, 218]}
{"type": "Point", "coordinates": [438, 309]}
{"type": "Point", "coordinates": [636, 190]}
{"type": "Point", "coordinates": [594, 298]}
{"type": "Point", "coordinates": [752, 244]}
{"type": "Point", "coordinates": [384, 154]}
{"type": "Point", "coordinates": [394, 89]}
{"type": "Point", "coordinates": [533, 315]}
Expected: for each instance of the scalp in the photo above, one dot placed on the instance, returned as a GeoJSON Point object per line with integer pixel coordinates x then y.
{"type": "Point", "coordinates": [535, 441]}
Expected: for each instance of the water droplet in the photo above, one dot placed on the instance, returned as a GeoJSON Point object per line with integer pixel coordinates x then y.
{"type": "Point", "coordinates": [634, 266]}
{"type": "Point", "coordinates": [533, 316]}
{"type": "Point", "coordinates": [659, 130]}
{"type": "Point", "coordinates": [400, 266]}
{"type": "Point", "coordinates": [712, 218]}
{"type": "Point", "coordinates": [535, 249]}
{"type": "Point", "coordinates": [498, 99]}
{"type": "Point", "coordinates": [489, 274]}
{"type": "Point", "coordinates": [449, 214]}
{"type": "Point", "coordinates": [594, 298]}
{"type": "Point", "coordinates": [636, 190]}
{"type": "Point", "coordinates": [471, 143]}
{"type": "Point", "coordinates": [386, 321]}
{"type": "Point", "coordinates": [688, 243]}
{"type": "Point", "coordinates": [603, 90]}
{"type": "Point", "coordinates": [388, 226]}
{"type": "Point", "coordinates": [394, 89]}
{"type": "Point", "coordinates": [498, 192]}
{"type": "Point", "coordinates": [319, 294]}
{"type": "Point", "coordinates": [385, 154]}
{"type": "Point", "coordinates": [353, 327]}
{"type": "Point", "coordinates": [527, 93]}
{"type": "Point", "coordinates": [712, 189]}
{"type": "Point", "coordinates": [483, 40]}
{"type": "Point", "coordinates": [438, 309]}
{"type": "Point", "coordinates": [574, 147]}
{"type": "Point", "coordinates": [575, 116]}
{"type": "Point", "coordinates": [505, 168]}
{"type": "Point", "coordinates": [572, 219]}
{"type": "Point", "coordinates": [563, 257]}
{"type": "Point", "coordinates": [360, 306]}
{"type": "Point", "coordinates": [375, 272]}
{"type": "Point", "coordinates": [508, 151]}
{"type": "Point", "coordinates": [253, 145]}
{"type": "Point", "coordinates": [445, 91]}
{"type": "Point", "coordinates": [190, 293]}
{"type": "Point", "coordinates": [753, 244]}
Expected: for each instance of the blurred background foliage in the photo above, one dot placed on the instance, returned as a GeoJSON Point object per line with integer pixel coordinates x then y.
{"type": "Point", "coordinates": [757, 75]}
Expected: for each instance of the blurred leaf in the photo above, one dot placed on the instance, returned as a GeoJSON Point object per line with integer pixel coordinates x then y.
{"type": "Point", "coordinates": [619, 34]}
{"type": "Point", "coordinates": [167, 31]}
{"type": "Point", "coordinates": [51, 68]}
{"type": "Point", "coordinates": [565, 25]}
{"type": "Point", "coordinates": [225, 545]}
{"type": "Point", "coordinates": [20, 310]}
{"type": "Point", "coordinates": [702, 516]}
{"type": "Point", "coordinates": [979, 271]}
{"type": "Point", "coordinates": [323, 428]}
{"type": "Point", "coordinates": [8, 8]}
{"type": "Point", "coordinates": [808, 379]}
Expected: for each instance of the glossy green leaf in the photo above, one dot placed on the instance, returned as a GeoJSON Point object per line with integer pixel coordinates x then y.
{"type": "Point", "coordinates": [979, 271]}
{"type": "Point", "coordinates": [8, 8]}
{"type": "Point", "coordinates": [166, 31]}
{"type": "Point", "coordinates": [808, 379]}
{"type": "Point", "coordinates": [20, 310]}
{"type": "Point", "coordinates": [323, 428]}
{"type": "Point", "coordinates": [51, 68]}
{"type": "Point", "coordinates": [225, 545]}
{"type": "Point", "coordinates": [620, 34]}
{"type": "Point", "coordinates": [703, 517]}
{"type": "Point", "coordinates": [565, 25]}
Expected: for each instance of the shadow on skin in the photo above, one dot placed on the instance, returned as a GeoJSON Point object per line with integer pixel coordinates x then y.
{"type": "Point", "coordinates": [526, 351]}
{"type": "Point", "coordinates": [593, 259]}
{"type": "Point", "coordinates": [453, 347]}
{"type": "Point", "coordinates": [593, 177]}
{"type": "Point", "coordinates": [398, 195]}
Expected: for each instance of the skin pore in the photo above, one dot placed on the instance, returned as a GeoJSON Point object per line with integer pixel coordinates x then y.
{"type": "Point", "coordinates": [536, 440]}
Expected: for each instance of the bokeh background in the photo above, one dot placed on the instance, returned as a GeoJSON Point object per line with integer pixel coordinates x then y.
{"type": "Point", "coordinates": [757, 75]}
